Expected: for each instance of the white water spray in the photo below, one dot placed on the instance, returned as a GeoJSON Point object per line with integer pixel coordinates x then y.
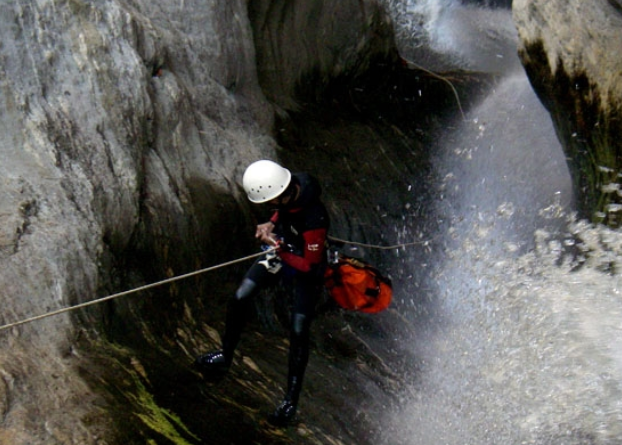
{"type": "Point", "coordinates": [522, 342]}
{"type": "Point", "coordinates": [445, 34]}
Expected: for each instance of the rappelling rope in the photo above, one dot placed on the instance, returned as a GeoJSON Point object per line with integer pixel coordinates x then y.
{"type": "Point", "coordinates": [184, 276]}
{"type": "Point", "coordinates": [376, 246]}
{"type": "Point", "coordinates": [132, 291]}
{"type": "Point", "coordinates": [442, 78]}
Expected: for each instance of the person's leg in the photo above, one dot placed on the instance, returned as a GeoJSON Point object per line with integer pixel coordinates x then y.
{"type": "Point", "coordinates": [298, 359]}
{"type": "Point", "coordinates": [238, 311]}
{"type": "Point", "coordinates": [305, 295]}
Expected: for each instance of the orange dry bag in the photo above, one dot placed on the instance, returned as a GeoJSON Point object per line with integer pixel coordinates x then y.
{"type": "Point", "coordinates": [357, 286]}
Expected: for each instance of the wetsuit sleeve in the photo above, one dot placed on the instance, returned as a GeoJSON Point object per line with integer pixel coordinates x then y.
{"type": "Point", "coordinates": [313, 252]}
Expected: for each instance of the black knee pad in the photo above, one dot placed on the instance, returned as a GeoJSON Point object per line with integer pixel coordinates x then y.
{"type": "Point", "coordinates": [300, 324]}
{"type": "Point", "coordinates": [248, 288]}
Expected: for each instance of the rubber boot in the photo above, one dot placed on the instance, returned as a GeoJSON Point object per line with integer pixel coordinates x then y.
{"type": "Point", "coordinates": [285, 412]}
{"type": "Point", "coordinates": [214, 365]}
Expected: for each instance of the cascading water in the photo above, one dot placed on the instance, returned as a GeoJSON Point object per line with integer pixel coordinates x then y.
{"type": "Point", "coordinates": [523, 314]}
{"type": "Point", "coordinates": [444, 34]}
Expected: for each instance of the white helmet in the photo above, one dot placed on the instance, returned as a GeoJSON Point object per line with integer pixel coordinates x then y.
{"type": "Point", "coordinates": [265, 180]}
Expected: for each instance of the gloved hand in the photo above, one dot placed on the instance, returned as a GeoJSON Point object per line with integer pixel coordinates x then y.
{"type": "Point", "coordinates": [264, 232]}
{"type": "Point", "coordinates": [272, 262]}
{"type": "Point", "coordinates": [278, 243]}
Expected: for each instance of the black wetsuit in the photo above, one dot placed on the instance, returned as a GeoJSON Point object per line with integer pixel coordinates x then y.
{"type": "Point", "coordinates": [302, 226]}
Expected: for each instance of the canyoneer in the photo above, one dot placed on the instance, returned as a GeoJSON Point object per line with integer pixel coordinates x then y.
{"type": "Point", "coordinates": [295, 239]}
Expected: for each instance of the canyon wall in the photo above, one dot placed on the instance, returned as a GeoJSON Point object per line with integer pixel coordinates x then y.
{"type": "Point", "coordinates": [570, 51]}
{"type": "Point", "coordinates": [125, 127]}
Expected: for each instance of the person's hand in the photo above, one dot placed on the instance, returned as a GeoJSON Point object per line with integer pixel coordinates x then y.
{"type": "Point", "coordinates": [265, 235]}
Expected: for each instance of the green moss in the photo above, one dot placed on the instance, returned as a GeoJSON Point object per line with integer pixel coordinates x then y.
{"type": "Point", "coordinates": [137, 417]}
{"type": "Point", "coordinates": [605, 168]}
{"type": "Point", "coordinates": [157, 418]}
{"type": "Point", "coordinates": [603, 173]}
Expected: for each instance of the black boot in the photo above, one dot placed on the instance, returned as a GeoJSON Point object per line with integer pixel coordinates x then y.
{"type": "Point", "coordinates": [284, 414]}
{"type": "Point", "coordinates": [213, 365]}
{"type": "Point", "coordinates": [298, 358]}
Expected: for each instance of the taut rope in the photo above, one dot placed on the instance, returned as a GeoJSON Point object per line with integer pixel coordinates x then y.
{"type": "Point", "coordinates": [182, 277]}
{"type": "Point", "coordinates": [131, 291]}
{"type": "Point", "coordinates": [376, 246]}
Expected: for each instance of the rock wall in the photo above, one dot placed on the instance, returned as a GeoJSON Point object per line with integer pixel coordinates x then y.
{"type": "Point", "coordinates": [570, 51]}
{"type": "Point", "coordinates": [301, 45]}
{"type": "Point", "coordinates": [124, 129]}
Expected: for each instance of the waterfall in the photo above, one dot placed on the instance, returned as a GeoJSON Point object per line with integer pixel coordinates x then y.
{"type": "Point", "coordinates": [523, 312]}
{"type": "Point", "coordinates": [446, 34]}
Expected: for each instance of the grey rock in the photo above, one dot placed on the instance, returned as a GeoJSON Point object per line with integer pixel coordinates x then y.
{"type": "Point", "coordinates": [127, 124]}
{"type": "Point", "coordinates": [571, 53]}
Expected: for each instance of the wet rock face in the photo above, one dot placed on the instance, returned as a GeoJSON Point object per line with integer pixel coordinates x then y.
{"type": "Point", "coordinates": [124, 130]}
{"type": "Point", "coordinates": [489, 3]}
{"type": "Point", "coordinates": [570, 52]}
{"type": "Point", "coordinates": [301, 45]}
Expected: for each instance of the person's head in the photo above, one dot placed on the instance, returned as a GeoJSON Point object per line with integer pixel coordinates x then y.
{"type": "Point", "coordinates": [266, 181]}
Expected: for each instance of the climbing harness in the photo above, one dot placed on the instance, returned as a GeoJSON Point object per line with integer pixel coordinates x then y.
{"type": "Point", "coordinates": [182, 277]}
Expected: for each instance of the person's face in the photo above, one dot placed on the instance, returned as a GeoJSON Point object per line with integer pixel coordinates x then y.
{"type": "Point", "coordinates": [280, 200]}
{"type": "Point", "coordinates": [285, 198]}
